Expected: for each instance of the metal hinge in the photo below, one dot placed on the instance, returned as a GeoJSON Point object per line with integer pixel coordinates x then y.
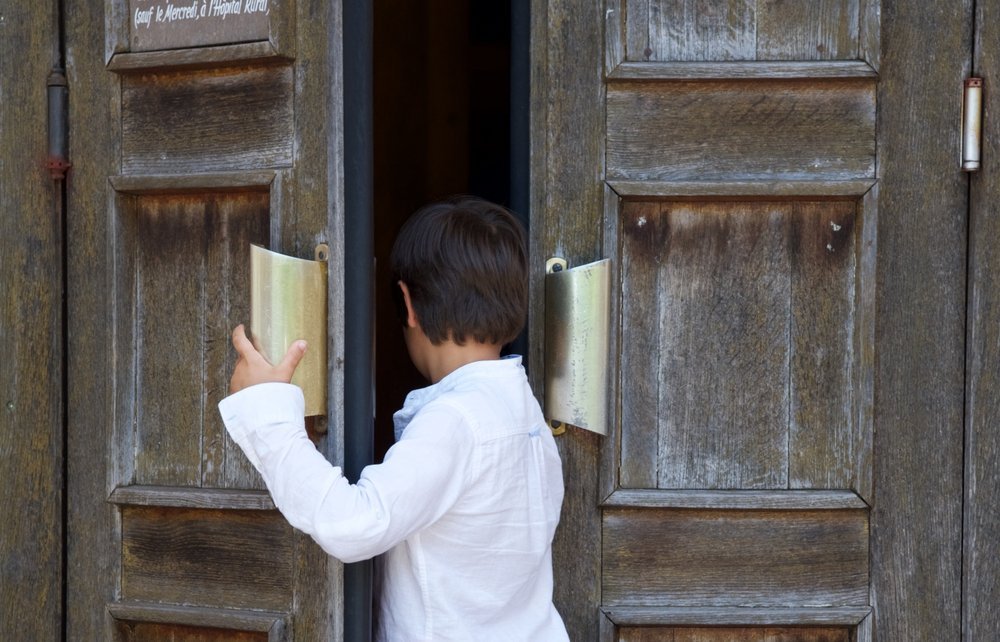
{"type": "Point", "coordinates": [58, 93]}
{"type": "Point", "coordinates": [972, 125]}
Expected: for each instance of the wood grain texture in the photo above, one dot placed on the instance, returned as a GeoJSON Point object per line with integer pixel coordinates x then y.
{"type": "Point", "coordinates": [567, 207]}
{"type": "Point", "coordinates": [238, 559]}
{"type": "Point", "coordinates": [198, 58]}
{"type": "Point", "coordinates": [701, 30]}
{"type": "Point", "coordinates": [170, 268]}
{"type": "Point", "coordinates": [707, 30]}
{"type": "Point", "coordinates": [212, 257]}
{"type": "Point", "coordinates": [734, 634]}
{"type": "Point", "coordinates": [920, 331]}
{"type": "Point", "coordinates": [822, 432]}
{"type": "Point", "coordinates": [741, 70]}
{"type": "Point", "coordinates": [31, 336]}
{"type": "Point", "coordinates": [122, 310]}
{"type": "Point", "coordinates": [636, 29]}
{"type": "Point", "coordinates": [192, 278]}
{"type": "Point", "coordinates": [220, 259]}
{"type": "Point", "coordinates": [736, 499]}
{"type": "Point", "coordinates": [212, 120]}
{"type": "Point", "coordinates": [738, 345]}
{"type": "Point", "coordinates": [188, 134]}
{"type": "Point", "coordinates": [237, 619]}
{"type": "Point", "coordinates": [651, 616]}
{"type": "Point", "coordinates": [870, 33]}
{"type": "Point", "coordinates": [864, 342]}
{"type": "Point", "coordinates": [816, 30]}
{"type": "Point", "coordinates": [639, 355]}
{"type": "Point", "coordinates": [93, 557]}
{"type": "Point", "coordinates": [688, 132]}
{"type": "Point", "coordinates": [238, 223]}
{"type": "Point", "coordinates": [981, 558]}
{"type": "Point", "coordinates": [615, 35]}
{"type": "Point", "coordinates": [116, 28]}
{"type": "Point", "coordinates": [724, 189]}
{"type": "Point", "coordinates": [762, 130]}
{"type": "Point", "coordinates": [155, 632]}
{"type": "Point", "coordinates": [610, 456]}
{"type": "Point", "coordinates": [171, 497]}
{"type": "Point", "coordinates": [735, 558]}
{"type": "Point", "coordinates": [308, 203]}
{"type": "Point", "coordinates": [723, 413]}
{"type": "Point", "coordinates": [200, 182]}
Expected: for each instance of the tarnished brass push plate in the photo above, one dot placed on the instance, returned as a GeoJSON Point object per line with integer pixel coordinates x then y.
{"type": "Point", "coordinates": [577, 318]}
{"type": "Point", "coordinates": [288, 302]}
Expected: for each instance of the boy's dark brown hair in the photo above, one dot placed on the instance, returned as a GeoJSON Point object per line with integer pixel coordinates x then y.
{"type": "Point", "coordinates": [464, 261]}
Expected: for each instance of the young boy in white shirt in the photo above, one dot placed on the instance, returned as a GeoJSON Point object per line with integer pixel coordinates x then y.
{"type": "Point", "coordinates": [466, 502]}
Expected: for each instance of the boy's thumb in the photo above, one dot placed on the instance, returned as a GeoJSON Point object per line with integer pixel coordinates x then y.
{"type": "Point", "coordinates": [292, 358]}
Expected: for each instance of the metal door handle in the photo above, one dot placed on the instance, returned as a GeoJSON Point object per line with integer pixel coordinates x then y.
{"type": "Point", "coordinates": [576, 344]}
{"type": "Point", "coordinates": [288, 302]}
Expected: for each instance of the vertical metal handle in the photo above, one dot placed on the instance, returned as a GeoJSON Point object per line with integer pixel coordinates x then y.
{"type": "Point", "coordinates": [576, 344]}
{"type": "Point", "coordinates": [288, 302]}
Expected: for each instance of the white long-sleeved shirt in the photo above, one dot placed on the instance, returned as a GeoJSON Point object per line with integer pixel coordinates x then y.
{"type": "Point", "coordinates": [464, 505]}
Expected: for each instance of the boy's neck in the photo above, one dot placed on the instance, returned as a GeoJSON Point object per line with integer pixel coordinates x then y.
{"type": "Point", "coordinates": [447, 357]}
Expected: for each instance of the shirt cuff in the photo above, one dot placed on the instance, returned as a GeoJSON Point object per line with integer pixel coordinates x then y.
{"type": "Point", "coordinates": [265, 406]}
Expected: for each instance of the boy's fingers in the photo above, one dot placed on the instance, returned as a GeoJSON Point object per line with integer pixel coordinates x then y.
{"type": "Point", "coordinates": [292, 358]}
{"type": "Point", "coordinates": [257, 367]}
{"type": "Point", "coordinates": [242, 344]}
{"type": "Point", "coordinates": [239, 336]}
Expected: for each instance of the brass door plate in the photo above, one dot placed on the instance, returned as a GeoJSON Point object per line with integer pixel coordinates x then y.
{"type": "Point", "coordinates": [288, 302]}
{"type": "Point", "coordinates": [577, 318]}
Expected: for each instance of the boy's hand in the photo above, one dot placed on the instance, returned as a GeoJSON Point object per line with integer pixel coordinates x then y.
{"type": "Point", "coordinates": [252, 368]}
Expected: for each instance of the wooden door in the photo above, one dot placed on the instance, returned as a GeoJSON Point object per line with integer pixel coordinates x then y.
{"type": "Point", "coordinates": [198, 128]}
{"type": "Point", "coordinates": [31, 338]}
{"type": "Point", "coordinates": [777, 186]}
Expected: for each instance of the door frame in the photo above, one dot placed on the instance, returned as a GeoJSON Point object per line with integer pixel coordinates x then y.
{"type": "Point", "coordinates": [359, 279]}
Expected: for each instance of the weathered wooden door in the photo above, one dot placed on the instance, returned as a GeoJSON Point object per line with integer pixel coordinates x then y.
{"type": "Point", "coordinates": [778, 186]}
{"type": "Point", "coordinates": [31, 339]}
{"type": "Point", "coordinates": [981, 545]}
{"type": "Point", "coordinates": [198, 128]}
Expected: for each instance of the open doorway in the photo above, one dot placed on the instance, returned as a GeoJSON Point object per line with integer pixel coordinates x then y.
{"type": "Point", "coordinates": [442, 123]}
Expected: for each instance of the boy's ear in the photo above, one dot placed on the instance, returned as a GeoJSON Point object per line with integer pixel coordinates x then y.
{"type": "Point", "coordinates": [411, 316]}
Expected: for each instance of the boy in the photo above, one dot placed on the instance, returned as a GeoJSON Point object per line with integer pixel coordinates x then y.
{"type": "Point", "coordinates": [466, 502]}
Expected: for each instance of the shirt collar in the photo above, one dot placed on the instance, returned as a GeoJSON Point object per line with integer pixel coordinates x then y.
{"type": "Point", "coordinates": [420, 397]}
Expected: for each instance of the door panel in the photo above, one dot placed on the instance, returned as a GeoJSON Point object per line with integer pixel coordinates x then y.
{"type": "Point", "coordinates": [733, 634]}
{"type": "Point", "coordinates": [696, 30]}
{"type": "Point", "coordinates": [186, 281]}
{"type": "Point", "coordinates": [733, 557]}
{"type": "Point", "coordinates": [185, 555]}
{"type": "Point", "coordinates": [192, 153]}
{"type": "Point", "coordinates": [227, 119]}
{"type": "Point", "coordinates": [774, 129]}
{"type": "Point", "coordinates": [719, 294]}
{"type": "Point", "coordinates": [727, 157]}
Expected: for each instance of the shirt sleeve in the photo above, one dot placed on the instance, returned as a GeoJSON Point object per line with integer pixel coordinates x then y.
{"type": "Point", "coordinates": [422, 476]}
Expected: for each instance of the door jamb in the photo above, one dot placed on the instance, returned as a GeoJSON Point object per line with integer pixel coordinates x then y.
{"type": "Point", "coordinates": [359, 406]}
